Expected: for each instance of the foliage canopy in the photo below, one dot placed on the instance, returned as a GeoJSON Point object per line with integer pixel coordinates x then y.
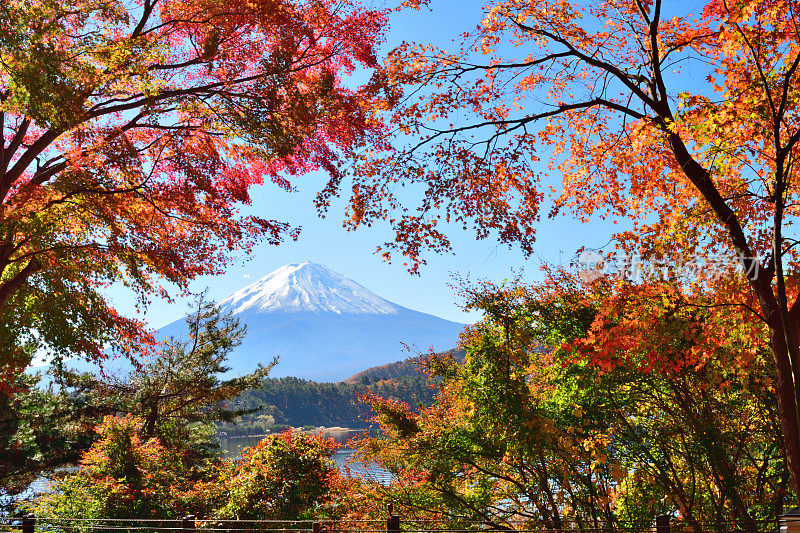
{"type": "Point", "coordinates": [131, 134]}
{"type": "Point", "coordinates": [527, 433]}
{"type": "Point", "coordinates": [683, 125]}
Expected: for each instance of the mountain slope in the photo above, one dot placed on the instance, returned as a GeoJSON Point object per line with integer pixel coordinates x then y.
{"type": "Point", "coordinates": [310, 288]}
{"type": "Point", "coordinates": [400, 369]}
{"type": "Point", "coordinates": [324, 326]}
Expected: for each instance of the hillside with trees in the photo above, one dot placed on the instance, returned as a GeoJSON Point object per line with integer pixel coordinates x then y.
{"type": "Point", "coordinates": [297, 402]}
{"type": "Point", "coordinates": [411, 367]}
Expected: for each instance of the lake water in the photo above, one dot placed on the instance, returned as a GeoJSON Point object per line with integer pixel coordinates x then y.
{"type": "Point", "coordinates": [235, 445]}
{"type": "Point", "coordinates": [344, 457]}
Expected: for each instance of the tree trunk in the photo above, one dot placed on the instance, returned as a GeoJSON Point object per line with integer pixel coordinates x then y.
{"type": "Point", "coordinates": [787, 405]}
{"type": "Point", "coordinates": [149, 429]}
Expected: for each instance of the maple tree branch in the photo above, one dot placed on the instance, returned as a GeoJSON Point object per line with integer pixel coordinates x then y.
{"type": "Point", "coordinates": [11, 285]}
{"type": "Point", "coordinates": [86, 190]}
{"type": "Point", "coordinates": [16, 141]}
{"type": "Point", "coordinates": [173, 66]}
{"type": "Point", "coordinates": [517, 123]}
{"type": "Point", "coordinates": [463, 67]}
{"type": "Point", "coordinates": [63, 247]}
{"type": "Point", "coordinates": [721, 305]}
{"type": "Point", "coordinates": [182, 23]}
{"type": "Point", "coordinates": [6, 249]}
{"type": "Point", "coordinates": [2, 137]}
{"type": "Point", "coordinates": [602, 65]}
{"type": "Point", "coordinates": [14, 144]}
{"type": "Point", "coordinates": [133, 102]}
{"type": "Point", "coordinates": [642, 11]}
{"type": "Point", "coordinates": [27, 157]}
{"type": "Point", "coordinates": [141, 99]}
{"type": "Point", "coordinates": [147, 10]}
{"type": "Point", "coordinates": [679, 45]}
{"type": "Point", "coordinates": [794, 310]}
{"type": "Point", "coordinates": [655, 59]}
{"type": "Point", "coordinates": [472, 507]}
{"type": "Point", "coordinates": [786, 82]}
{"type": "Point", "coordinates": [702, 180]}
{"type": "Point", "coordinates": [43, 174]}
{"type": "Point", "coordinates": [756, 59]}
{"type": "Point", "coordinates": [50, 168]}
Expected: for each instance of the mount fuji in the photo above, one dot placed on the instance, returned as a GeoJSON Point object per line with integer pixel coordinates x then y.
{"type": "Point", "coordinates": [323, 326]}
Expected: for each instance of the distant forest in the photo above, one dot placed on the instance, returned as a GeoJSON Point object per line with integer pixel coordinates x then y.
{"type": "Point", "coordinates": [284, 402]}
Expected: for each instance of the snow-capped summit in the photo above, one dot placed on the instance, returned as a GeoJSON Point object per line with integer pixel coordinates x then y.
{"type": "Point", "coordinates": [306, 287]}
{"type": "Point", "coordinates": [323, 326]}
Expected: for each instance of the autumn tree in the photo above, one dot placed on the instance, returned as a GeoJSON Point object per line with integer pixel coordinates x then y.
{"type": "Point", "coordinates": [121, 476]}
{"type": "Point", "coordinates": [284, 477]}
{"type": "Point", "coordinates": [131, 134]}
{"type": "Point", "coordinates": [181, 391]}
{"type": "Point", "coordinates": [176, 395]}
{"type": "Point", "coordinates": [125, 475]}
{"type": "Point", "coordinates": [45, 426]}
{"type": "Point", "coordinates": [526, 432]}
{"type": "Point", "coordinates": [682, 125]}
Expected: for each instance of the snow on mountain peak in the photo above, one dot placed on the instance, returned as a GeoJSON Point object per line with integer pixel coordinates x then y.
{"type": "Point", "coordinates": [307, 287]}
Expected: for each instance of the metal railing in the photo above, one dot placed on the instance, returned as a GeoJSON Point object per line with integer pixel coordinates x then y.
{"type": "Point", "coordinates": [392, 524]}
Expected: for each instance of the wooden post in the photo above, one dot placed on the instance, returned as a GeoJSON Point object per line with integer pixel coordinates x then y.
{"type": "Point", "coordinates": [392, 521]}
{"type": "Point", "coordinates": [316, 527]}
{"type": "Point", "coordinates": [789, 522]}
{"type": "Point", "coordinates": [28, 523]}
{"type": "Point", "coordinates": [187, 524]}
{"type": "Point", "coordinates": [662, 524]}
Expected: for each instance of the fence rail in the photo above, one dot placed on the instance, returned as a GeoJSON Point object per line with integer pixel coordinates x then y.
{"type": "Point", "coordinates": [391, 524]}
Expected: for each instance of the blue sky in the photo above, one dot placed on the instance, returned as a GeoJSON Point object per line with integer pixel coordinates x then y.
{"type": "Point", "coordinates": [352, 253]}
